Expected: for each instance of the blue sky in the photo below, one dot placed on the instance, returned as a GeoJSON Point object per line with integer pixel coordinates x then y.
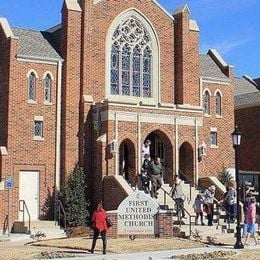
{"type": "Point", "coordinates": [230, 26]}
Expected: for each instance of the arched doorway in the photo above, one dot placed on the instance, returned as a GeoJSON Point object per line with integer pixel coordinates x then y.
{"type": "Point", "coordinates": [127, 167]}
{"type": "Point", "coordinates": [161, 147]}
{"type": "Point", "coordinates": [186, 159]}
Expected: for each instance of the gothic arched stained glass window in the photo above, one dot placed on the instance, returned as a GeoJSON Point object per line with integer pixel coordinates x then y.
{"type": "Point", "coordinates": [32, 87]}
{"type": "Point", "coordinates": [218, 104]}
{"type": "Point", "coordinates": [131, 59]}
{"type": "Point", "coordinates": [206, 102]}
{"type": "Point", "coordinates": [47, 88]}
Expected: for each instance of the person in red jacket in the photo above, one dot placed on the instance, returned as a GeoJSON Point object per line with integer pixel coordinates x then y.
{"type": "Point", "coordinates": [100, 226]}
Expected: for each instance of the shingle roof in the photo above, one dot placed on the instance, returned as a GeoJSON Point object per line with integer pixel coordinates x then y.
{"type": "Point", "coordinates": [245, 93]}
{"type": "Point", "coordinates": [35, 44]}
{"type": "Point", "coordinates": [243, 86]}
{"type": "Point", "coordinates": [208, 68]}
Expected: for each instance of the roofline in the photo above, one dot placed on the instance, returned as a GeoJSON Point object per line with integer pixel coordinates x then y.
{"type": "Point", "coordinates": [216, 56]}
{"type": "Point", "coordinates": [249, 79]}
{"type": "Point", "coordinates": [54, 28]}
{"type": "Point", "coordinates": [181, 9]}
{"type": "Point", "coordinates": [163, 9]}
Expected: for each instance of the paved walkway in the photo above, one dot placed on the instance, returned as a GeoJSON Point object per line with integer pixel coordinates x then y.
{"type": "Point", "coordinates": [159, 255]}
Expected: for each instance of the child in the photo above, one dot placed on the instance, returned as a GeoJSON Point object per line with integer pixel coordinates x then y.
{"type": "Point", "coordinates": [198, 205]}
{"type": "Point", "coordinates": [144, 173]}
{"type": "Point", "coordinates": [250, 218]}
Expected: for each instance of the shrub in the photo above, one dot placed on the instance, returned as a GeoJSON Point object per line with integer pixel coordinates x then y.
{"type": "Point", "coordinates": [74, 198]}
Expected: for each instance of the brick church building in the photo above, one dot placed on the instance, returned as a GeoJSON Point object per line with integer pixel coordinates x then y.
{"type": "Point", "coordinates": [92, 89]}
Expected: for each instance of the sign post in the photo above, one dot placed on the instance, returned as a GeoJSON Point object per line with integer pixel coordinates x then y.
{"type": "Point", "coordinates": [9, 184]}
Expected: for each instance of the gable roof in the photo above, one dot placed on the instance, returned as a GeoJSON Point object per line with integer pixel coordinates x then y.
{"type": "Point", "coordinates": [208, 68]}
{"type": "Point", "coordinates": [36, 44]}
{"type": "Point", "coordinates": [245, 92]}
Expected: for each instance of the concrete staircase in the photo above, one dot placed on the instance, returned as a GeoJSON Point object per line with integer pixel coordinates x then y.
{"type": "Point", "coordinates": [219, 227]}
{"type": "Point", "coordinates": [39, 229]}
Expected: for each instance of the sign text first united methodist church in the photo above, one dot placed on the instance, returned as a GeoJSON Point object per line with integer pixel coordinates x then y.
{"type": "Point", "coordinates": [137, 214]}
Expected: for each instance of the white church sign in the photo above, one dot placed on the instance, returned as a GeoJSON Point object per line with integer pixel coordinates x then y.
{"type": "Point", "coordinates": [137, 214]}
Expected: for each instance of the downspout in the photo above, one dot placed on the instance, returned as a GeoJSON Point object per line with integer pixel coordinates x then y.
{"type": "Point", "coordinates": [58, 128]}
{"type": "Point", "coordinates": [116, 139]}
{"type": "Point", "coordinates": [176, 147]}
{"type": "Point", "coordinates": [196, 152]}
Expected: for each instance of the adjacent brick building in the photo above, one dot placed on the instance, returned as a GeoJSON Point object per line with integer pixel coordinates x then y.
{"type": "Point", "coordinates": [247, 118]}
{"type": "Point", "coordinates": [91, 91]}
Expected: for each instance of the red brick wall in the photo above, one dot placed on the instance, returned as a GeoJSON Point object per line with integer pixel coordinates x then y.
{"type": "Point", "coordinates": [4, 79]}
{"type": "Point", "coordinates": [247, 120]}
{"type": "Point", "coordinates": [223, 156]}
{"type": "Point", "coordinates": [186, 61]}
{"type": "Point", "coordinates": [24, 153]}
{"type": "Point", "coordinates": [71, 90]}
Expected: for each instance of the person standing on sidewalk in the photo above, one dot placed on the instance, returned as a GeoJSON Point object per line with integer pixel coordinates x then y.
{"type": "Point", "coordinates": [251, 218]}
{"type": "Point", "coordinates": [100, 227]}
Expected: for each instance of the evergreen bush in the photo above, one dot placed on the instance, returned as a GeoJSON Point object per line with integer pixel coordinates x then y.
{"type": "Point", "coordinates": [74, 198]}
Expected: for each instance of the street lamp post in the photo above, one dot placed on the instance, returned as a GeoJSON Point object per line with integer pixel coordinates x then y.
{"type": "Point", "coordinates": [236, 138]}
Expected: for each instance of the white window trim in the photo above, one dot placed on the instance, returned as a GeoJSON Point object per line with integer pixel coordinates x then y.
{"type": "Point", "coordinates": [38, 138]}
{"type": "Point", "coordinates": [155, 73]}
{"type": "Point", "coordinates": [214, 129]}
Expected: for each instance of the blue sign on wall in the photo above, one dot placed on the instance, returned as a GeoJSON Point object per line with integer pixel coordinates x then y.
{"type": "Point", "coordinates": [9, 182]}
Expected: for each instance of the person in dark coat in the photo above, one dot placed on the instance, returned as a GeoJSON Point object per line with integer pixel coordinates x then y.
{"type": "Point", "coordinates": [155, 175]}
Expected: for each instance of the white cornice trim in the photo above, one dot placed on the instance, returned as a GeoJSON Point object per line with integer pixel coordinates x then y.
{"type": "Point", "coordinates": [189, 107]}
{"type": "Point", "coordinates": [161, 106]}
{"type": "Point", "coordinates": [193, 26]}
{"type": "Point", "coordinates": [3, 151]}
{"type": "Point", "coordinates": [165, 119]}
{"type": "Point", "coordinates": [34, 59]}
{"type": "Point", "coordinates": [215, 80]}
{"type": "Point", "coordinates": [6, 28]}
{"type": "Point", "coordinates": [73, 5]}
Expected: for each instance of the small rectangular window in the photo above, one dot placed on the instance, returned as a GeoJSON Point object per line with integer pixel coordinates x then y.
{"type": "Point", "coordinates": [213, 138]}
{"type": "Point", "coordinates": [38, 129]}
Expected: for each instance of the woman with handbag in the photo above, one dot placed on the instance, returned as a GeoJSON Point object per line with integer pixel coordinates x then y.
{"type": "Point", "coordinates": [99, 222]}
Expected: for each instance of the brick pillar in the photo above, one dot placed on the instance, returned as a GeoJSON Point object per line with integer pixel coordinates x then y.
{"type": "Point", "coordinates": [165, 224]}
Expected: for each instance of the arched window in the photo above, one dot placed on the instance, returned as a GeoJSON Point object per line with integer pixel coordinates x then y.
{"type": "Point", "coordinates": [218, 104]}
{"type": "Point", "coordinates": [131, 60]}
{"type": "Point", "coordinates": [206, 102]}
{"type": "Point", "coordinates": [47, 88]}
{"type": "Point", "coordinates": [32, 87]}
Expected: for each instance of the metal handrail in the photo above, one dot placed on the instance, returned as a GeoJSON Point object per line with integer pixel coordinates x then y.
{"type": "Point", "coordinates": [28, 213]}
{"type": "Point", "coordinates": [182, 208]}
{"type": "Point", "coordinates": [5, 226]}
{"type": "Point", "coordinates": [215, 199]}
{"type": "Point", "coordinates": [61, 208]}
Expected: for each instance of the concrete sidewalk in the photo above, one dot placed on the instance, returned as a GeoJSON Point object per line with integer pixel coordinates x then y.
{"type": "Point", "coordinates": [159, 255]}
